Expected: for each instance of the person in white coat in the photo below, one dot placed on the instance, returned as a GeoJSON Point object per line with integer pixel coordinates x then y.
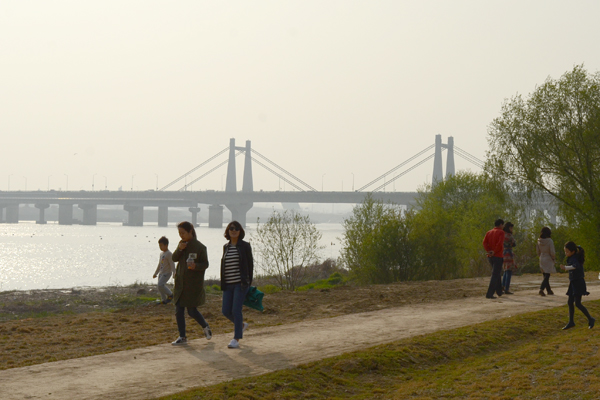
{"type": "Point", "coordinates": [547, 254]}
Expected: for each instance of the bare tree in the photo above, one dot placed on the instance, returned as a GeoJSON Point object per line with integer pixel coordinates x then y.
{"type": "Point", "coordinates": [285, 245]}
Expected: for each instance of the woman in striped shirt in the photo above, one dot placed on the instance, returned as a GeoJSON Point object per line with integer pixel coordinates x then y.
{"type": "Point", "coordinates": [237, 267]}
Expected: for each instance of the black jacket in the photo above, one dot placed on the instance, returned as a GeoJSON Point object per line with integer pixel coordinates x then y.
{"type": "Point", "coordinates": [246, 263]}
{"type": "Point", "coordinates": [577, 286]}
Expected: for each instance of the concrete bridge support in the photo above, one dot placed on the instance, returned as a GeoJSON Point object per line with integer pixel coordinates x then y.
{"type": "Point", "coordinates": [238, 212]}
{"type": "Point", "coordinates": [42, 218]}
{"type": "Point", "coordinates": [12, 214]}
{"type": "Point", "coordinates": [215, 216]}
{"type": "Point", "coordinates": [194, 211]}
{"type": "Point", "coordinates": [65, 214]}
{"type": "Point", "coordinates": [135, 215]}
{"type": "Point", "coordinates": [90, 214]}
{"type": "Point", "coordinates": [163, 216]}
{"type": "Point", "coordinates": [438, 173]}
{"type": "Point", "coordinates": [450, 158]}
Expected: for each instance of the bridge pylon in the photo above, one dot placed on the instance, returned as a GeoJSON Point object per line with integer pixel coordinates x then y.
{"type": "Point", "coordinates": [438, 173]}
{"type": "Point", "coordinates": [238, 211]}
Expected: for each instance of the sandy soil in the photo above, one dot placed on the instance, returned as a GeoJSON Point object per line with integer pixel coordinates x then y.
{"type": "Point", "coordinates": [163, 369]}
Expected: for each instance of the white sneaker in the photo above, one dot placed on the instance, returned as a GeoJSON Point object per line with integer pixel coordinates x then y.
{"type": "Point", "coordinates": [234, 344]}
{"type": "Point", "coordinates": [180, 340]}
{"type": "Point", "coordinates": [208, 333]}
{"type": "Point", "coordinates": [245, 327]}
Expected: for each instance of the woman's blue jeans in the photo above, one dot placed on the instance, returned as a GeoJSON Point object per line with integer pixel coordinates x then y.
{"type": "Point", "coordinates": [506, 279]}
{"type": "Point", "coordinates": [233, 300]}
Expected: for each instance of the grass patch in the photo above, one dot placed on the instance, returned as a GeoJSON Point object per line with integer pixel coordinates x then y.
{"type": "Point", "coordinates": [269, 289]}
{"type": "Point", "coordinates": [526, 357]}
{"type": "Point", "coordinates": [334, 280]}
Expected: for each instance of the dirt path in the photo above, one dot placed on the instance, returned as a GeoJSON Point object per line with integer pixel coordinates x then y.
{"type": "Point", "coordinates": [159, 370]}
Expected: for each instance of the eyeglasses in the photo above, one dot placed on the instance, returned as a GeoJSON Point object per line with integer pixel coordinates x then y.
{"type": "Point", "coordinates": [234, 228]}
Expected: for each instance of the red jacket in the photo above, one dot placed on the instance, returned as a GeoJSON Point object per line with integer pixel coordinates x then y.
{"type": "Point", "coordinates": [494, 241]}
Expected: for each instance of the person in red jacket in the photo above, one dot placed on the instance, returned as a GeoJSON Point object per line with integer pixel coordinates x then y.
{"type": "Point", "coordinates": [493, 243]}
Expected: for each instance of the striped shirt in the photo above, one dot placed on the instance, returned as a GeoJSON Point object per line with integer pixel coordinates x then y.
{"type": "Point", "coordinates": [232, 266]}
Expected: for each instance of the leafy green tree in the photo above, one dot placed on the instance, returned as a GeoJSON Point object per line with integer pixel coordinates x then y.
{"type": "Point", "coordinates": [375, 245]}
{"type": "Point", "coordinates": [440, 238]}
{"type": "Point", "coordinates": [451, 222]}
{"type": "Point", "coordinates": [285, 245]}
{"type": "Point", "coordinates": [549, 142]}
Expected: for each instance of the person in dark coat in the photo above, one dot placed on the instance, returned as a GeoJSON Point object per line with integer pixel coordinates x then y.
{"type": "Point", "coordinates": [237, 269]}
{"type": "Point", "coordinates": [577, 287]}
{"type": "Point", "coordinates": [192, 262]}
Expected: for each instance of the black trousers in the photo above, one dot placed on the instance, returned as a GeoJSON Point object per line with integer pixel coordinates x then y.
{"type": "Point", "coordinates": [496, 279]}
{"type": "Point", "coordinates": [576, 301]}
{"type": "Point", "coordinates": [546, 282]}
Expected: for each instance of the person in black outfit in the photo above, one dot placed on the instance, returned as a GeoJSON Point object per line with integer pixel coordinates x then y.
{"type": "Point", "coordinates": [577, 287]}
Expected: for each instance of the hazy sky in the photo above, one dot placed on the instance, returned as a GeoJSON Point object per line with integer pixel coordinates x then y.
{"type": "Point", "coordinates": [103, 91]}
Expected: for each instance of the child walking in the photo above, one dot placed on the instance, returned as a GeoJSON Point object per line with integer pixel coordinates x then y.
{"type": "Point", "coordinates": [192, 262]}
{"type": "Point", "coordinates": [577, 288]}
{"type": "Point", "coordinates": [164, 270]}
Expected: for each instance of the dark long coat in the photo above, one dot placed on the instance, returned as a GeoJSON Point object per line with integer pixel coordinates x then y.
{"type": "Point", "coordinates": [189, 283]}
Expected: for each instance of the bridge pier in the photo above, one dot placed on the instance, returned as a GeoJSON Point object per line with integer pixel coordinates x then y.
{"type": "Point", "coordinates": [163, 216]}
{"type": "Point", "coordinates": [135, 215]}
{"type": "Point", "coordinates": [215, 216]}
{"type": "Point", "coordinates": [238, 212]}
{"type": "Point", "coordinates": [65, 214]}
{"type": "Point", "coordinates": [90, 214]}
{"type": "Point", "coordinates": [194, 211]}
{"type": "Point", "coordinates": [42, 219]}
{"type": "Point", "coordinates": [12, 214]}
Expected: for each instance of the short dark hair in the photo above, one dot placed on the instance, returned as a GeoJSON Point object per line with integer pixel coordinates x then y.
{"type": "Point", "coordinates": [498, 222]}
{"type": "Point", "coordinates": [237, 225]}
{"type": "Point", "coordinates": [507, 227]}
{"type": "Point", "coordinates": [188, 227]}
{"type": "Point", "coordinates": [163, 240]}
{"type": "Point", "coordinates": [546, 233]}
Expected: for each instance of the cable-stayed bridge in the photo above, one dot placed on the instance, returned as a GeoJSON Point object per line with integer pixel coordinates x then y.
{"type": "Point", "coordinates": [176, 193]}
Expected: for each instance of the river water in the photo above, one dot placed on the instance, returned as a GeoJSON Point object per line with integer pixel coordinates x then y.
{"type": "Point", "coordinates": [56, 256]}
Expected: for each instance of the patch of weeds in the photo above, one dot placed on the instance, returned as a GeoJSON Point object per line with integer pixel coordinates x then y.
{"type": "Point", "coordinates": [212, 289]}
{"type": "Point", "coordinates": [334, 280]}
{"type": "Point", "coordinates": [269, 289]}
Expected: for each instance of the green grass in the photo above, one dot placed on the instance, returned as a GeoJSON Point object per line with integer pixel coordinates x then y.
{"type": "Point", "coordinates": [334, 279]}
{"type": "Point", "coordinates": [522, 357]}
{"type": "Point", "coordinates": [269, 289]}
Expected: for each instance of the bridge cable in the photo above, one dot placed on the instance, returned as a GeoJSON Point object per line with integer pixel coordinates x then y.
{"type": "Point", "coordinates": [469, 160]}
{"type": "Point", "coordinates": [406, 171]}
{"type": "Point", "coordinates": [469, 157]}
{"type": "Point", "coordinates": [206, 173]}
{"type": "Point", "coordinates": [278, 175]}
{"type": "Point", "coordinates": [193, 169]}
{"type": "Point", "coordinates": [396, 167]}
{"type": "Point", "coordinates": [291, 175]}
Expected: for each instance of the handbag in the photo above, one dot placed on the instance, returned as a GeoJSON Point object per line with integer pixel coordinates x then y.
{"type": "Point", "coordinates": [254, 298]}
